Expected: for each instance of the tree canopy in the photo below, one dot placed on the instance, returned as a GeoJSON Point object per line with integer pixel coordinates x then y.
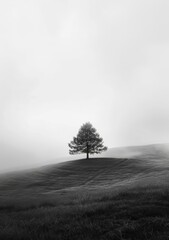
{"type": "Point", "coordinates": [87, 141]}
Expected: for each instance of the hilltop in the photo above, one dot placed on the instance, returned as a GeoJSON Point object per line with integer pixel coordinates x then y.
{"type": "Point", "coordinates": [142, 164]}
{"type": "Point", "coordinates": [121, 195]}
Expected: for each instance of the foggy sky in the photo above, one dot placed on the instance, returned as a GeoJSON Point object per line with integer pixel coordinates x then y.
{"type": "Point", "coordinates": [63, 63]}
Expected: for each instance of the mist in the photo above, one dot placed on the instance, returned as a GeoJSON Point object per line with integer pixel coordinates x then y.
{"type": "Point", "coordinates": [63, 63]}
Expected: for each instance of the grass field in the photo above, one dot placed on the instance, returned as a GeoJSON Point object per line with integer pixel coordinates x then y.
{"type": "Point", "coordinates": [99, 198]}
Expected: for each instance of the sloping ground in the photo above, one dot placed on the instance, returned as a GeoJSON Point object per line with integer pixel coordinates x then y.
{"type": "Point", "coordinates": [154, 151]}
{"type": "Point", "coordinates": [100, 198]}
{"type": "Point", "coordinates": [94, 173]}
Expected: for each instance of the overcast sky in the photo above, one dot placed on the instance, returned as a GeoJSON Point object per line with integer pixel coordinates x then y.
{"type": "Point", "coordinates": [63, 63]}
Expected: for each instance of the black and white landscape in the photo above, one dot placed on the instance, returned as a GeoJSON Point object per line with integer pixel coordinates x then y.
{"type": "Point", "coordinates": [84, 120]}
{"type": "Point", "coordinates": [98, 198]}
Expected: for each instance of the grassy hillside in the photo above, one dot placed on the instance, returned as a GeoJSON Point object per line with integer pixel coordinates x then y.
{"type": "Point", "coordinates": [153, 151]}
{"type": "Point", "coordinates": [86, 174]}
{"type": "Point", "coordinates": [99, 198]}
{"type": "Point", "coordinates": [92, 173]}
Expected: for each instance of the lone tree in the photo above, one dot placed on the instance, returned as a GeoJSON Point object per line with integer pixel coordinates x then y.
{"type": "Point", "coordinates": [87, 141]}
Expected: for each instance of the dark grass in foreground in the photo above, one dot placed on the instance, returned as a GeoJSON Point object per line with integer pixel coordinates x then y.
{"type": "Point", "coordinates": [138, 213]}
{"type": "Point", "coordinates": [80, 200]}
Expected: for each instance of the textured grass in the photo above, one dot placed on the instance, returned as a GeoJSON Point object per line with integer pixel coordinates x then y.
{"type": "Point", "coordinates": [97, 199]}
{"type": "Point", "coordinates": [88, 174]}
{"type": "Point", "coordinates": [132, 214]}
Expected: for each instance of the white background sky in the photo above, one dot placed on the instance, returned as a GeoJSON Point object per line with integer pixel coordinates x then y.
{"type": "Point", "coordinates": [63, 63]}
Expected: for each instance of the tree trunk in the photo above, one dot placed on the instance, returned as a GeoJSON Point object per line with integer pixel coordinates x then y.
{"type": "Point", "coordinates": [87, 151]}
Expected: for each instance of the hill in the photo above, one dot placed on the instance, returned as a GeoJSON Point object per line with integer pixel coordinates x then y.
{"type": "Point", "coordinates": [99, 198]}
{"type": "Point", "coordinates": [153, 151]}
{"type": "Point", "coordinates": [145, 164]}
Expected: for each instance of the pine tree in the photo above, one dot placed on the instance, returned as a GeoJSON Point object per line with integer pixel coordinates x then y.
{"type": "Point", "coordinates": [87, 141]}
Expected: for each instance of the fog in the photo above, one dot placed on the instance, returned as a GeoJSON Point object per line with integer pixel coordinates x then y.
{"type": "Point", "coordinates": [63, 63]}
